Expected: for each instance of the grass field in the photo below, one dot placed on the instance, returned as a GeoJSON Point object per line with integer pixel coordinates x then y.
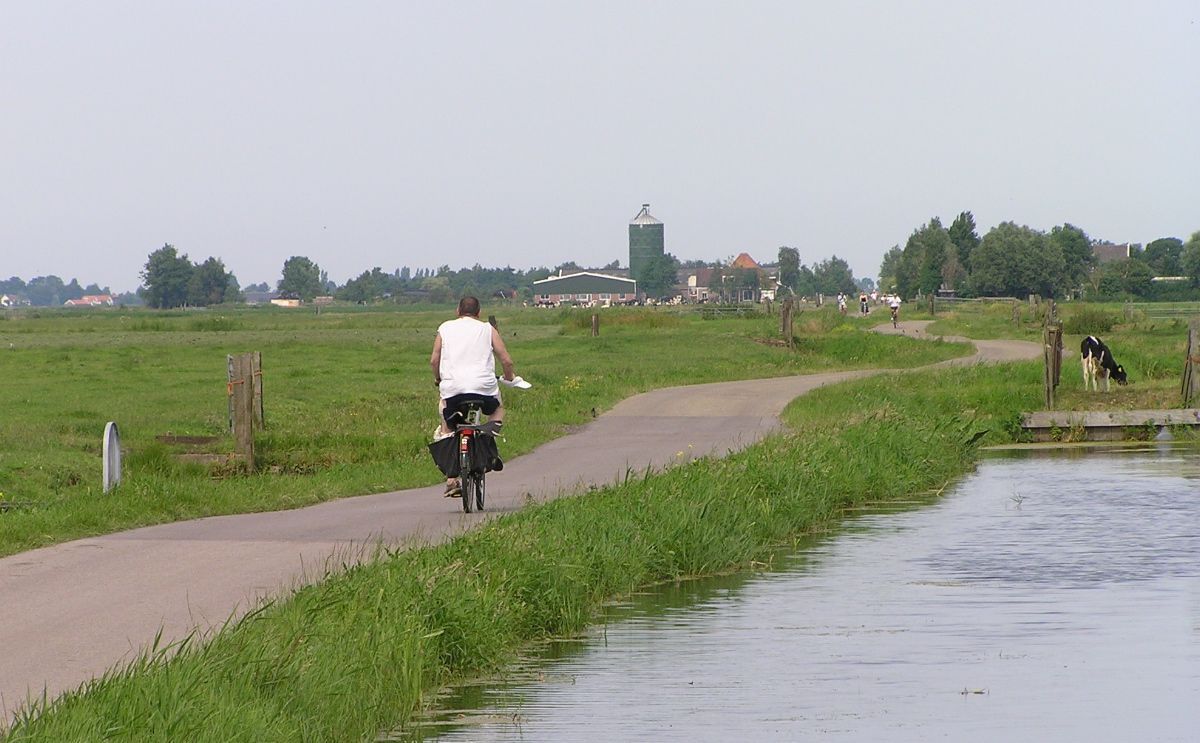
{"type": "Point", "coordinates": [348, 398]}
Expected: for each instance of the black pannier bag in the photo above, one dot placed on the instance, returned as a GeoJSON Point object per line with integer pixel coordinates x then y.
{"type": "Point", "coordinates": [485, 456]}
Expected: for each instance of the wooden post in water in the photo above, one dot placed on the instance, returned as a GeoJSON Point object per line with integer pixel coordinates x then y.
{"type": "Point", "coordinates": [595, 325]}
{"type": "Point", "coordinates": [241, 389]}
{"type": "Point", "coordinates": [1191, 380]}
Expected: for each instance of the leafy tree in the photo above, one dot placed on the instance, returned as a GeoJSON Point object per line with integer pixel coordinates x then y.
{"type": "Point", "coordinates": [45, 291]}
{"type": "Point", "coordinates": [954, 276]}
{"type": "Point", "coordinates": [208, 284]}
{"type": "Point", "coordinates": [367, 286]}
{"type": "Point", "coordinates": [962, 234]}
{"type": "Point", "coordinates": [438, 288]}
{"type": "Point", "coordinates": [833, 275]}
{"type": "Point", "coordinates": [1129, 276]}
{"type": "Point", "coordinates": [12, 285]}
{"type": "Point", "coordinates": [165, 278]}
{"type": "Point", "coordinates": [1190, 258]}
{"type": "Point", "coordinates": [1164, 256]}
{"type": "Point", "coordinates": [789, 267]}
{"type": "Point", "coordinates": [889, 267]}
{"type": "Point", "coordinates": [233, 295]}
{"type": "Point", "coordinates": [1076, 249]}
{"type": "Point", "coordinates": [917, 271]}
{"type": "Point", "coordinates": [260, 287]}
{"type": "Point", "coordinates": [301, 278]}
{"type": "Point", "coordinates": [938, 249]}
{"type": "Point", "coordinates": [806, 282]}
{"type": "Point", "coordinates": [1016, 261]}
{"type": "Point", "coordinates": [658, 275]}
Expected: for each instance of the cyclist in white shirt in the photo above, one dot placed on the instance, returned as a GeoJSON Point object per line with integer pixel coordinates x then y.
{"type": "Point", "coordinates": [464, 368]}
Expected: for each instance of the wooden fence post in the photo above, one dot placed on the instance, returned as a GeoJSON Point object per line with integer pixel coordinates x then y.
{"type": "Point", "coordinates": [595, 325]}
{"type": "Point", "coordinates": [785, 321]}
{"type": "Point", "coordinates": [1052, 357]}
{"type": "Point", "coordinates": [1191, 382]}
{"type": "Point", "coordinates": [1016, 314]}
{"type": "Point", "coordinates": [256, 374]}
{"type": "Point", "coordinates": [242, 394]}
{"type": "Point", "coordinates": [230, 373]}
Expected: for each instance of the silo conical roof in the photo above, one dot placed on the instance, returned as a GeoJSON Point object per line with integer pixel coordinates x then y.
{"type": "Point", "coordinates": [644, 216]}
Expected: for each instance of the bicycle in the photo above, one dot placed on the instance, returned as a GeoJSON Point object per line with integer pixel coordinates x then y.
{"type": "Point", "coordinates": [471, 478]}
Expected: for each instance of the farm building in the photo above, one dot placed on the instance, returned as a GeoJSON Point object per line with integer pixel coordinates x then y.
{"type": "Point", "coordinates": [584, 288]}
{"type": "Point", "coordinates": [90, 300]}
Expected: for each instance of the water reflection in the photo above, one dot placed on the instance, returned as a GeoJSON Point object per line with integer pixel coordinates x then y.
{"type": "Point", "coordinates": [1049, 597]}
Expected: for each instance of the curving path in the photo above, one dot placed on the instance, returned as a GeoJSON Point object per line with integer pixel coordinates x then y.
{"type": "Point", "coordinates": [71, 611]}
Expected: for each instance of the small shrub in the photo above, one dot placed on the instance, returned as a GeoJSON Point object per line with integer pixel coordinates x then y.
{"type": "Point", "coordinates": [1089, 321]}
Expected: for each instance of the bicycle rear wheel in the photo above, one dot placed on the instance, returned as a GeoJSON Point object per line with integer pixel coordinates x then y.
{"type": "Point", "coordinates": [467, 483]}
{"type": "Point", "coordinates": [479, 491]}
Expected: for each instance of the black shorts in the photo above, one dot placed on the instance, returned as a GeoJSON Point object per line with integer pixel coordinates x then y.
{"type": "Point", "coordinates": [456, 405]}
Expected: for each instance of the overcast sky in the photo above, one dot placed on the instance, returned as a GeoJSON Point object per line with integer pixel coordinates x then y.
{"type": "Point", "coordinates": [386, 134]}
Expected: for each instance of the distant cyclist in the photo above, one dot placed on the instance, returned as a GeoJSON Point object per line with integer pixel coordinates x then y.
{"type": "Point", "coordinates": [895, 305]}
{"type": "Point", "coordinates": [464, 369]}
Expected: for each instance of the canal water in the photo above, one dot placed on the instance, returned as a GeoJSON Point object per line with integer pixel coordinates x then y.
{"type": "Point", "coordinates": [1048, 597]}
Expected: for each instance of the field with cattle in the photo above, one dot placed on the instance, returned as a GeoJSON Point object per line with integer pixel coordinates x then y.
{"type": "Point", "coordinates": [1149, 345]}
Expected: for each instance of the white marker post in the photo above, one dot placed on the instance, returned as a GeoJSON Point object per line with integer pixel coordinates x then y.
{"type": "Point", "coordinates": [112, 456]}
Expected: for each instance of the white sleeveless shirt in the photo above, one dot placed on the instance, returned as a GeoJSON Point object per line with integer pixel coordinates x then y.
{"type": "Point", "coordinates": [468, 365]}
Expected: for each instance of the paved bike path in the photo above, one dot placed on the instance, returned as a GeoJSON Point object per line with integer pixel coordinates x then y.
{"type": "Point", "coordinates": [71, 611]}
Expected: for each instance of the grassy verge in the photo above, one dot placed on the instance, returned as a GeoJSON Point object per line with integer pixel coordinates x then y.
{"type": "Point", "coordinates": [357, 653]}
{"type": "Point", "coordinates": [349, 404]}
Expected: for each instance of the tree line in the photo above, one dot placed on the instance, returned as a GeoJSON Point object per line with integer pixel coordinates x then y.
{"type": "Point", "coordinates": [1015, 261]}
{"type": "Point", "coordinates": [52, 291]}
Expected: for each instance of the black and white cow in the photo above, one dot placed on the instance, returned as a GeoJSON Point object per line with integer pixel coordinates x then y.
{"type": "Point", "coordinates": [1098, 361]}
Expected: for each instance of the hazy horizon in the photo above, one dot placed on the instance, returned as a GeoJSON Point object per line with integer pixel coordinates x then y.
{"type": "Point", "coordinates": [529, 134]}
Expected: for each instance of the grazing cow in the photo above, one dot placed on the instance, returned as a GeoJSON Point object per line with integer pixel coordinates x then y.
{"type": "Point", "coordinates": [1098, 361]}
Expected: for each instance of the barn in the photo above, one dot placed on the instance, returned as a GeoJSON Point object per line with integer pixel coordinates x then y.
{"type": "Point", "coordinates": [584, 288]}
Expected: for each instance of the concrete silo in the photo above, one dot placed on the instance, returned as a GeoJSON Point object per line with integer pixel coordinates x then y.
{"type": "Point", "coordinates": [645, 240]}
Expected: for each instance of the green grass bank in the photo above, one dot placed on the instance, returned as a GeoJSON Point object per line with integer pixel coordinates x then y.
{"type": "Point", "coordinates": [358, 653]}
{"type": "Point", "coordinates": [348, 398]}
